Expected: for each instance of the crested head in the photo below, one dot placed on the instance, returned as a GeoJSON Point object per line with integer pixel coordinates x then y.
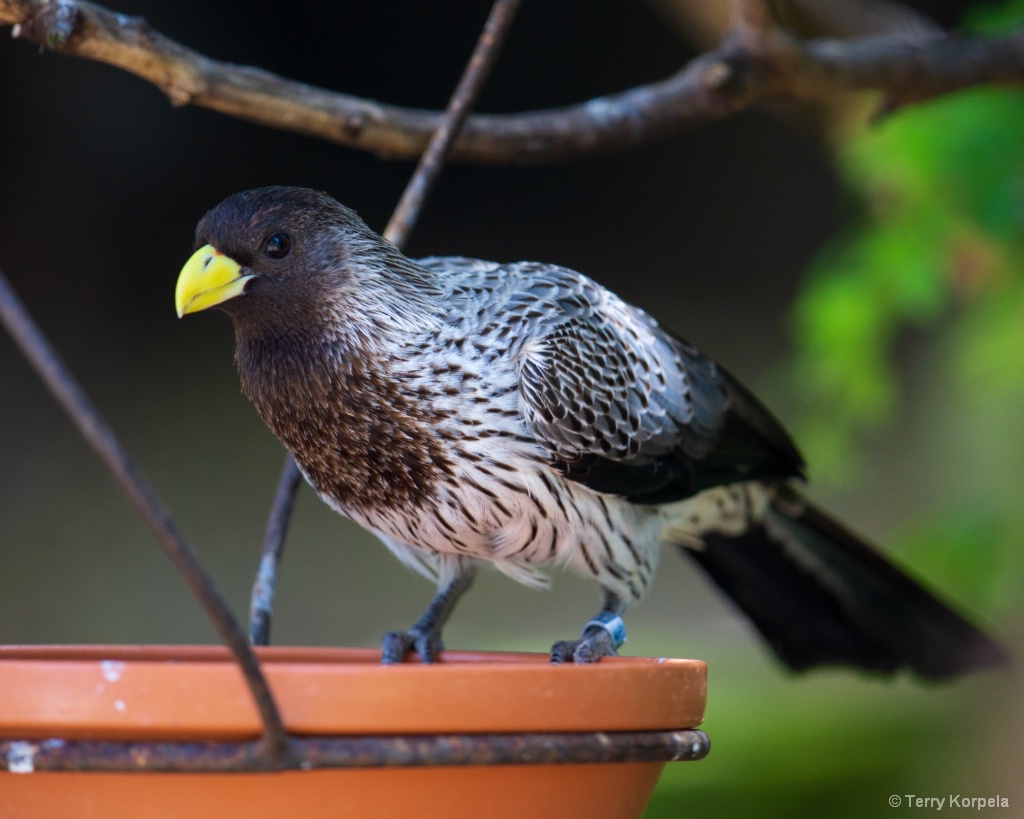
{"type": "Point", "coordinates": [301, 264]}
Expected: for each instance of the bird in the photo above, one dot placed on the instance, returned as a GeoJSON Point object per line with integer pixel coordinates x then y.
{"type": "Point", "coordinates": [522, 416]}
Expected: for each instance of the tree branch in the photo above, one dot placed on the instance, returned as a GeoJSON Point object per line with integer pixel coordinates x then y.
{"type": "Point", "coordinates": [757, 61]}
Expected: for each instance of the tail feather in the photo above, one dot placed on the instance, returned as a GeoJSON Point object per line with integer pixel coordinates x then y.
{"type": "Point", "coordinates": [821, 597]}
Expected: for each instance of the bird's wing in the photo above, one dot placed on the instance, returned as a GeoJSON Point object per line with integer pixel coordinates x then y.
{"type": "Point", "coordinates": [622, 406]}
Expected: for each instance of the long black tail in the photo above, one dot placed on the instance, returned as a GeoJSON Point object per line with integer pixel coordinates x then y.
{"type": "Point", "coordinates": [821, 596]}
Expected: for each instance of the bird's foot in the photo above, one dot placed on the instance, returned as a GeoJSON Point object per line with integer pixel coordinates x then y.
{"type": "Point", "coordinates": [602, 636]}
{"type": "Point", "coordinates": [396, 644]}
{"type": "Point", "coordinates": [588, 649]}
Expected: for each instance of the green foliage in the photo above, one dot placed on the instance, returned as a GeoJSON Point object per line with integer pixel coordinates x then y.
{"type": "Point", "coordinates": [940, 239]}
{"type": "Point", "coordinates": [967, 549]}
{"type": "Point", "coordinates": [936, 246]}
{"type": "Point", "coordinates": [827, 744]}
{"type": "Point", "coordinates": [993, 19]}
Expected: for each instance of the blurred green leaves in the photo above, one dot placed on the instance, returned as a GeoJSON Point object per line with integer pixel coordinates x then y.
{"type": "Point", "coordinates": [935, 246]}
{"type": "Point", "coordinates": [933, 250]}
{"type": "Point", "coordinates": [940, 239]}
{"type": "Point", "coordinates": [830, 743]}
{"type": "Point", "coordinates": [802, 756]}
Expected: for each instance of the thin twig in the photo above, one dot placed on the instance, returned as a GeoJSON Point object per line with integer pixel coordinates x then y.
{"type": "Point", "coordinates": [261, 601]}
{"type": "Point", "coordinates": [477, 70]}
{"type": "Point", "coordinates": [34, 345]}
{"type": "Point", "coordinates": [711, 86]}
{"type": "Point", "coordinates": [397, 232]}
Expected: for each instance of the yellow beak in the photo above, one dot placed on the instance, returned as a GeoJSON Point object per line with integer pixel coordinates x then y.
{"type": "Point", "coordinates": [209, 278]}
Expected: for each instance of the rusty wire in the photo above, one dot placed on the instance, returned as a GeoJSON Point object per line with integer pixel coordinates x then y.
{"type": "Point", "coordinates": [363, 751]}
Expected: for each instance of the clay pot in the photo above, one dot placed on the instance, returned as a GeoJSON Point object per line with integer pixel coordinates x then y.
{"type": "Point", "coordinates": [197, 694]}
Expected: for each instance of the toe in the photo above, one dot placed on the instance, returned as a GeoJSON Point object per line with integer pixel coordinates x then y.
{"type": "Point", "coordinates": [593, 647]}
{"type": "Point", "coordinates": [394, 647]}
{"type": "Point", "coordinates": [562, 651]}
{"type": "Point", "coordinates": [428, 646]}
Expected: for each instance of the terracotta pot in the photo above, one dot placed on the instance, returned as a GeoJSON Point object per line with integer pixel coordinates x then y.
{"type": "Point", "coordinates": [196, 694]}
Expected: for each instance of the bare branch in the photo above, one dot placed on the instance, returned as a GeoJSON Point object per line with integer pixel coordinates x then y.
{"type": "Point", "coordinates": [856, 18]}
{"type": "Point", "coordinates": [753, 18]}
{"type": "Point", "coordinates": [704, 24]}
{"type": "Point", "coordinates": [908, 71]}
{"type": "Point", "coordinates": [741, 71]}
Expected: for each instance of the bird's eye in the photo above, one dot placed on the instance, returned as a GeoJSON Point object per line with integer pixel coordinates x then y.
{"type": "Point", "coordinates": [277, 246]}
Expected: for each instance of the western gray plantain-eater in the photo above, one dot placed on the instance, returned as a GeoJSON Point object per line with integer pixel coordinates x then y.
{"type": "Point", "coordinates": [521, 415]}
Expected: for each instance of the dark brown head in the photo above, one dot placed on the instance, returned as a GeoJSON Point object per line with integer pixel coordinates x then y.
{"type": "Point", "coordinates": [320, 305]}
{"type": "Point", "coordinates": [294, 260]}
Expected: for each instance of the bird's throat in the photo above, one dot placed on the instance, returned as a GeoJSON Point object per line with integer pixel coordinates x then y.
{"type": "Point", "coordinates": [362, 438]}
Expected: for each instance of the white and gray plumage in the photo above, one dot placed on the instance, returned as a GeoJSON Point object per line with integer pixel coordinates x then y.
{"type": "Point", "coordinates": [522, 415]}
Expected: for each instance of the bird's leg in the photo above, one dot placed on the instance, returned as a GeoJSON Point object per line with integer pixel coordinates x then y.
{"type": "Point", "coordinates": [601, 637]}
{"type": "Point", "coordinates": [425, 636]}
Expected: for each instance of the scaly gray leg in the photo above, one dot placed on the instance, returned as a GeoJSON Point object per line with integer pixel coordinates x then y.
{"type": "Point", "coordinates": [425, 636]}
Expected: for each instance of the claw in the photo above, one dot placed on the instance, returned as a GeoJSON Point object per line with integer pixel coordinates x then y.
{"type": "Point", "coordinates": [595, 644]}
{"type": "Point", "coordinates": [601, 637]}
{"type": "Point", "coordinates": [425, 637]}
{"type": "Point", "coordinates": [397, 644]}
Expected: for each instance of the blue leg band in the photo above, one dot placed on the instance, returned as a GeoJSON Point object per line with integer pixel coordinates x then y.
{"type": "Point", "coordinates": [611, 623]}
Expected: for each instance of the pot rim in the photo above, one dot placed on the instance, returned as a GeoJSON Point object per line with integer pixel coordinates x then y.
{"type": "Point", "coordinates": [169, 692]}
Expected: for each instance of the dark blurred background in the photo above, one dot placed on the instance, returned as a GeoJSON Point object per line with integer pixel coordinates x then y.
{"type": "Point", "coordinates": [712, 231]}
